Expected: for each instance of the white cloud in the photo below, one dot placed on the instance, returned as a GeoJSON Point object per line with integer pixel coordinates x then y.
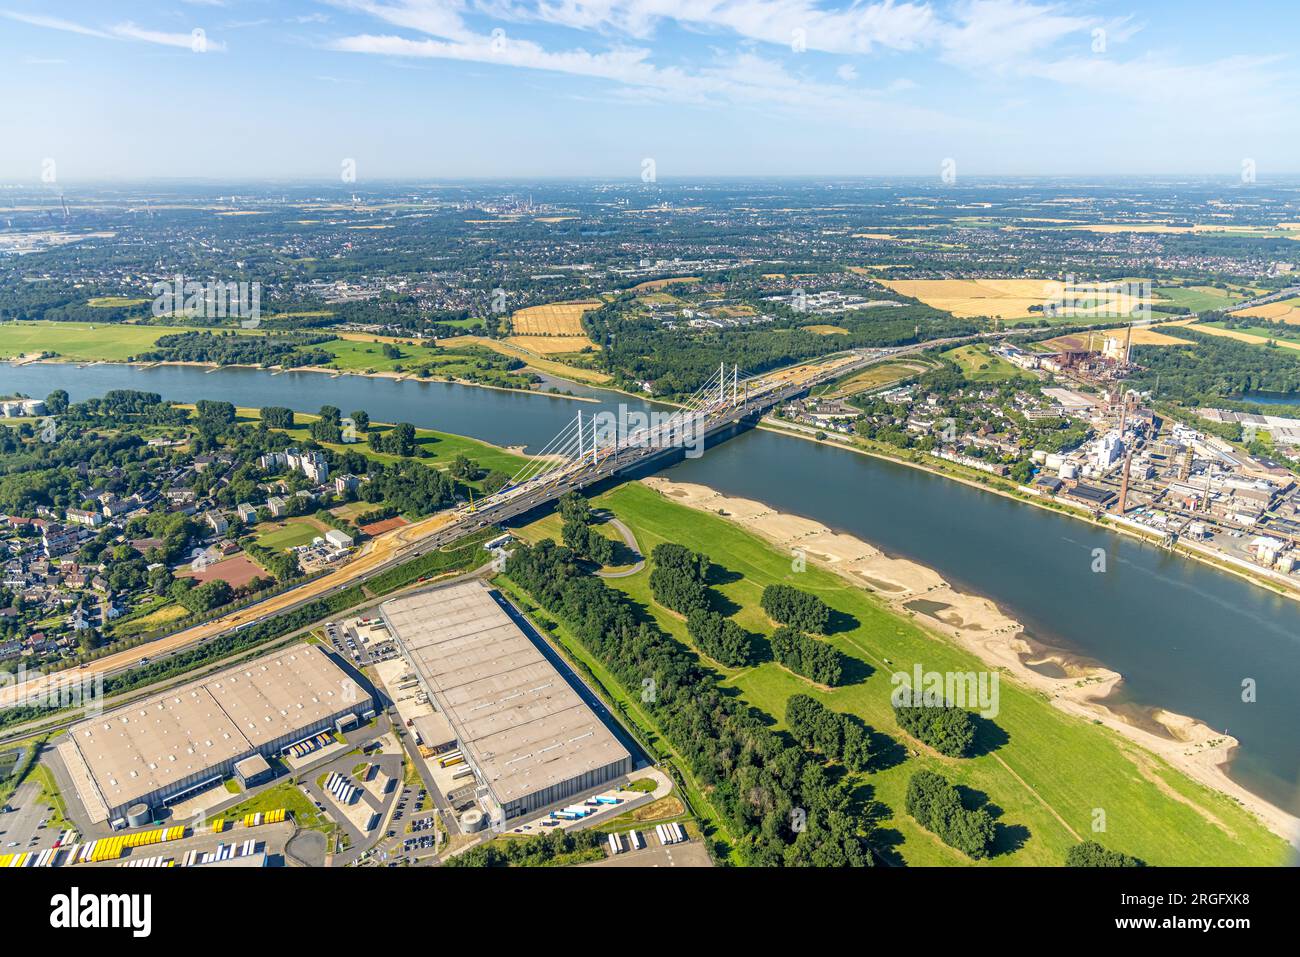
{"type": "Point", "coordinates": [54, 23]}
{"type": "Point", "coordinates": [121, 31]}
{"type": "Point", "coordinates": [847, 72]}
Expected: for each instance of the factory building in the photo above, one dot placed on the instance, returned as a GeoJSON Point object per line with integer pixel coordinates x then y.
{"type": "Point", "coordinates": [528, 735]}
{"type": "Point", "coordinates": [175, 744]}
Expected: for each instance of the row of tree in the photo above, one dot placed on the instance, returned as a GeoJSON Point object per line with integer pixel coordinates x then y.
{"type": "Point", "coordinates": [815, 660]}
{"type": "Point", "coordinates": [781, 807]}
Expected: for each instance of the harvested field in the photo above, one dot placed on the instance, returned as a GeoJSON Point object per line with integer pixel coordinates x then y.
{"type": "Point", "coordinates": [554, 319]}
{"type": "Point", "coordinates": [1288, 311]}
{"type": "Point", "coordinates": [551, 345]}
{"type": "Point", "coordinates": [1004, 298]}
{"type": "Point", "coordinates": [826, 330]}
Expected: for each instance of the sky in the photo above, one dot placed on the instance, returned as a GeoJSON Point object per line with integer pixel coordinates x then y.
{"type": "Point", "coordinates": [444, 89]}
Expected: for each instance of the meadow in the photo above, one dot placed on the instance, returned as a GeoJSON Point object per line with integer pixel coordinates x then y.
{"type": "Point", "coordinates": [1042, 773]}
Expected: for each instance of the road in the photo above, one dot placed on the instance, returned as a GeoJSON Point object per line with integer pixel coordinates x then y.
{"type": "Point", "coordinates": [411, 541]}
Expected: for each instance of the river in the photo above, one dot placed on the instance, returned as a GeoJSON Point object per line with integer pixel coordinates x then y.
{"type": "Point", "coordinates": [1183, 635]}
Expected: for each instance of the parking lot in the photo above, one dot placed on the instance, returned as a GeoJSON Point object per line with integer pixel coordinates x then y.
{"type": "Point", "coordinates": [24, 828]}
{"type": "Point", "coordinates": [363, 640]}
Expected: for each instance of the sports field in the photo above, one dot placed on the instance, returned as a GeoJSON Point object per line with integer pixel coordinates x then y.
{"type": "Point", "coordinates": [288, 534]}
{"type": "Point", "coordinates": [1046, 771]}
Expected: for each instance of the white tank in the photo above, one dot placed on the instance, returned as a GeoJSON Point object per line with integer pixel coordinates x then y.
{"type": "Point", "coordinates": [471, 821]}
{"type": "Point", "coordinates": [1069, 470]}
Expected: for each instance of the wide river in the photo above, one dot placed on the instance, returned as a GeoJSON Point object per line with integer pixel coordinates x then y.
{"type": "Point", "coordinates": [1183, 635]}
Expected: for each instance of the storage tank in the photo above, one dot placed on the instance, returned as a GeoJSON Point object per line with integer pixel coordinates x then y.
{"type": "Point", "coordinates": [471, 821]}
{"type": "Point", "coordinates": [138, 815]}
{"type": "Point", "coordinates": [1038, 456]}
{"type": "Point", "coordinates": [1069, 470]}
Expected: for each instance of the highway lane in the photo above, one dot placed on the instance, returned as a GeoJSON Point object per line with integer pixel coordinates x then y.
{"type": "Point", "coordinates": [404, 544]}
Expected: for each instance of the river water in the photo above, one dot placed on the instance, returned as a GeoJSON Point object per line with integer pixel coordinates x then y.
{"type": "Point", "coordinates": [1183, 635]}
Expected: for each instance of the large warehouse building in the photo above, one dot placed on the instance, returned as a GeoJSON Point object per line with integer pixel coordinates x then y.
{"type": "Point", "coordinates": [158, 750]}
{"type": "Point", "coordinates": [528, 735]}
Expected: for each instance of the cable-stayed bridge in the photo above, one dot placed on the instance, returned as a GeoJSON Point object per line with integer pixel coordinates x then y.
{"type": "Point", "coordinates": [591, 448]}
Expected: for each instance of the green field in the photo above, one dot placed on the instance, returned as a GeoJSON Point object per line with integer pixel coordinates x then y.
{"type": "Point", "coordinates": [81, 341]}
{"type": "Point", "coordinates": [287, 535]}
{"type": "Point", "coordinates": [1201, 298]}
{"type": "Point", "coordinates": [283, 795]}
{"type": "Point", "coordinates": [456, 363]}
{"type": "Point", "coordinates": [1044, 771]}
{"type": "Point", "coordinates": [980, 365]}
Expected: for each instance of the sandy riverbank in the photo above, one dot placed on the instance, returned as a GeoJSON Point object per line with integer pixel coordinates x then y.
{"type": "Point", "coordinates": [980, 627]}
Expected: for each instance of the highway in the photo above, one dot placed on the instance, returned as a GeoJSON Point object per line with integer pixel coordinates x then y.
{"type": "Point", "coordinates": [402, 545]}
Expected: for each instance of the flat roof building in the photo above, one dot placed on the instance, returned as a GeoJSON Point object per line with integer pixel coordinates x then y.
{"type": "Point", "coordinates": [154, 750]}
{"type": "Point", "coordinates": [521, 726]}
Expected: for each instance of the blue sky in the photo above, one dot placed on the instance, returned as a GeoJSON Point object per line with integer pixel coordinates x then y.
{"type": "Point", "coordinates": [493, 88]}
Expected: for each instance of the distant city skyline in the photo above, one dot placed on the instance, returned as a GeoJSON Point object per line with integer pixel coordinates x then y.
{"type": "Point", "coordinates": [229, 90]}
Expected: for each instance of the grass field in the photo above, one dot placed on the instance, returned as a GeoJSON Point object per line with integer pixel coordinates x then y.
{"type": "Point", "coordinates": [287, 796]}
{"type": "Point", "coordinates": [1201, 298]}
{"type": "Point", "coordinates": [80, 341]}
{"type": "Point", "coordinates": [978, 364]}
{"type": "Point", "coordinates": [288, 534]}
{"type": "Point", "coordinates": [1044, 773]}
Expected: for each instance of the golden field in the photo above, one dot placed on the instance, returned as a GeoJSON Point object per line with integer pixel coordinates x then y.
{"type": "Point", "coordinates": [551, 345]}
{"type": "Point", "coordinates": [997, 298]}
{"type": "Point", "coordinates": [553, 319]}
{"type": "Point", "coordinates": [1288, 311]}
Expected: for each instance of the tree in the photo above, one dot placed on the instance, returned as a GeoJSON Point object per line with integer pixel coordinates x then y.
{"type": "Point", "coordinates": [214, 411]}
{"type": "Point", "coordinates": [56, 402]}
{"type": "Point", "coordinates": [464, 468]}
{"type": "Point", "coordinates": [1092, 854]}
{"type": "Point", "coordinates": [277, 417]}
{"type": "Point", "coordinates": [800, 610]}
{"type": "Point", "coordinates": [361, 420]}
{"type": "Point", "coordinates": [936, 806]}
{"type": "Point", "coordinates": [948, 729]}
{"type": "Point", "coordinates": [574, 507]}
{"type": "Point", "coordinates": [806, 656]}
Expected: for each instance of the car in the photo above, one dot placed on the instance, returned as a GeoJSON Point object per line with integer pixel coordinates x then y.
{"type": "Point", "coordinates": [12, 844]}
